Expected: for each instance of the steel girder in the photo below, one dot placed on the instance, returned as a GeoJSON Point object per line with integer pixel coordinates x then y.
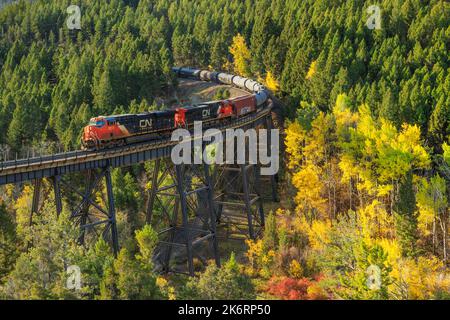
{"type": "Point", "coordinates": [90, 214]}
{"type": "Point", "coordinates": [238, 199]}
{"type": "Point", "coordinates": [181, 209]}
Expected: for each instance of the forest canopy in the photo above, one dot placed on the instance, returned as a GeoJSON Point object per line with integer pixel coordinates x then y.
{"type": "Point", "coordinates": [53, 79]}
{"type": "Point", "coordinates": [366, 179]}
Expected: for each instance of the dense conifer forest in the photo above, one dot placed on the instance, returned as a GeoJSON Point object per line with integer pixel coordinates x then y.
{"type": "Point", "coordinates": [366, 177]}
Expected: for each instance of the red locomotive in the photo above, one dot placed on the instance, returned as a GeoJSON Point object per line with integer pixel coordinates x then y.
{"type": "Point", "coordinates": [105, 132]}
{"type": "Point", "coordinates": [118, 130]}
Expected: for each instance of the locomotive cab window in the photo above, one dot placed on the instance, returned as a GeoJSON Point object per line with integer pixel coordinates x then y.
{"type": "Point", "coordinates": [100, 123]}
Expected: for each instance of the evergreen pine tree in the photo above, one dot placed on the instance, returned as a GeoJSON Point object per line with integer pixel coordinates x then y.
{"type": "Point", "coordinates": [406, 217]}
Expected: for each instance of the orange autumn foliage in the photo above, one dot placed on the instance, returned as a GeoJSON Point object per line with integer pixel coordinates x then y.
{"type": "Point", "coordinates": [295, 289]}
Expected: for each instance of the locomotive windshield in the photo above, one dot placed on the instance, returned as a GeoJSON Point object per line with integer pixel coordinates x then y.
{"type": "Point", "coordinates": [98, 123]}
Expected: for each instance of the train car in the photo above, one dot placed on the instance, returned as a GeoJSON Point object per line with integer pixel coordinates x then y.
{"type": "Point", "coordinates": [121, 129]}
{"type": "Point", "coordinates": [239, 82]}
{"type": "Point", "coordinates": [244, 105]}
{"type": "Point", "coordinates": [176, 70]}
{"type": "Point", "coordinates": [225, 78]}
{"type": "Point", "coordinates": [146, 122]}
{"type": "Point", "coordinates": [261, 98]}
{"type": "Point", "coordinates": [251, 85]}
{"type": "Point", "coordinates": [260, 88]}
{"type": "Point", "coordinates": [189, 73]}
{"type": "Point", "coordinates": [206, 75]}
{"type": "Point", "coordinates": [186, 116]}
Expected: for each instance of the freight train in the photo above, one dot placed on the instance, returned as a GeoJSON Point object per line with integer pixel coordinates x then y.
{"type": "Point", "coordinates": [119, 130]}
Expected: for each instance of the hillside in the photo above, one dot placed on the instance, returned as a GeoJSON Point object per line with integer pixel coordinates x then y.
{"type": "Point", "coordinates": [366, 184]}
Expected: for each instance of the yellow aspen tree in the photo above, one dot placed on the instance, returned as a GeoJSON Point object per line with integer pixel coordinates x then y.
{"type": "Point", "coordinates": [312, 70]}
{"type": "Point", "coordinates": [272, 82]}
{"type": "Point", "coordinates": [310, 162]}
{"type": "Point", "coordinates": [310, 186]}
{"type": "Point", "coordinates": [424, 278]}
{"type": "Point", "coordinates": [319, 234]}
{"type": "Point", "coordinates": [23, 210]}
{"type": "Point", "coordinates": [295, 136]}
{"type": "Point", "coordinates": [375, 222]}
{"type": "Point", "coordinates": [241, 56]}
{"type": "Point", "coordinates": [446, 149]}
{"type": "Point", "coordinates": [377, 152]}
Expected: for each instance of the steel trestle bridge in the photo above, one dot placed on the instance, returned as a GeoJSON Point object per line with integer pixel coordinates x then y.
{"type": "Point", "coordinates": [186, 214]}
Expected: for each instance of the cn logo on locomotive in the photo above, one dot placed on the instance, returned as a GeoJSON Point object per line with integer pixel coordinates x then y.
{"type": "Point", "coordinates": [146, 123]}
{"type": "Point", "coordinates": [206, 113]}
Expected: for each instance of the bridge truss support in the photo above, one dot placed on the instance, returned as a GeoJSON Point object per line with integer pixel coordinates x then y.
{"type": "Point", "coordinates": [181, 209]}
{"type": "Point", "coordinates": [90, 209]}
{"type": "Point", "coordinates": [181, 204]}
{"type": "Point", "coordinates": [36, 198]}
{"type": "Point", "coordinates": [239, 192]}
{"type": "Point", "coordinates": [239, 201]}
{"type": "Point", "coordinates": [271, 180]}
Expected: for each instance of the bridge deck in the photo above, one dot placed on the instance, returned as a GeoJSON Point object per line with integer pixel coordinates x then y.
{"type": "Point", "coordinates": [17, 171]}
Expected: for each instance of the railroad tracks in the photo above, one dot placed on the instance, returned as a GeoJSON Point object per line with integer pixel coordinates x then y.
{"type": "Point", "coordinates": [16, 171]}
